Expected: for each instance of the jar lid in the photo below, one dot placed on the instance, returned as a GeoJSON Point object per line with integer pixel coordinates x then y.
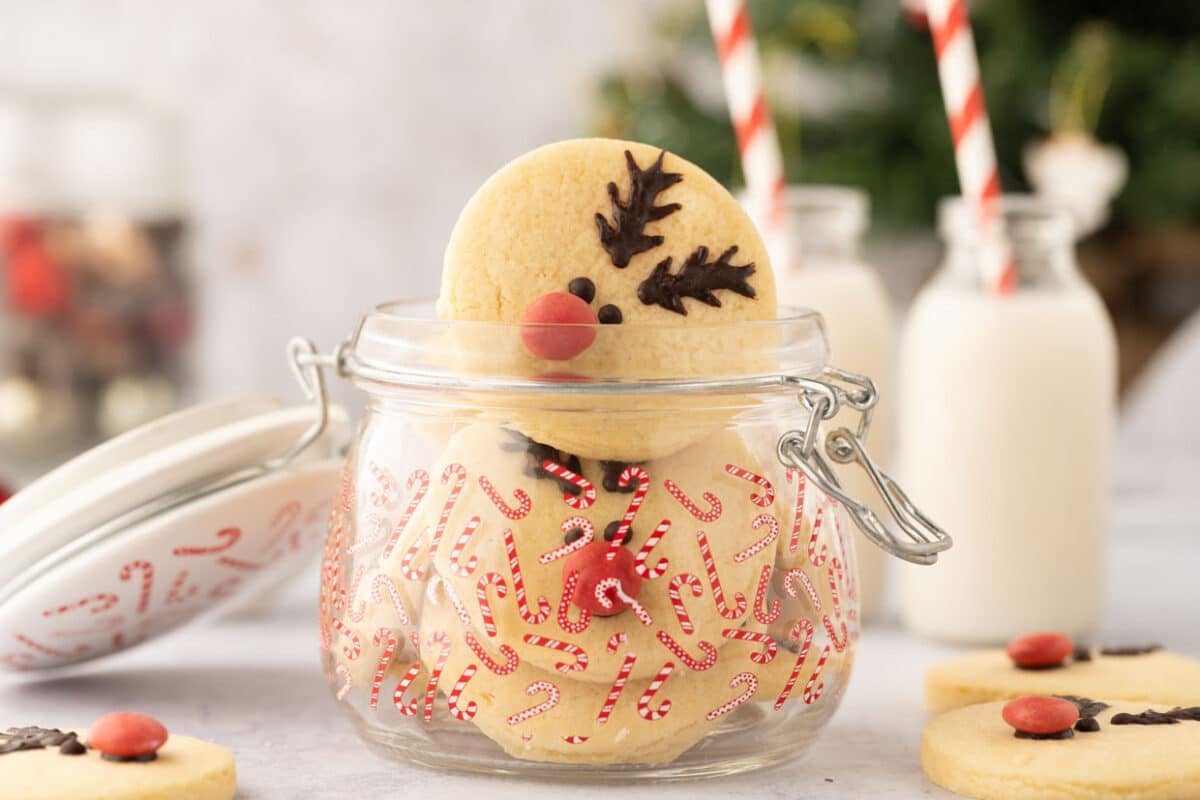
{"type": "Point", "coordinates": [165, 524]}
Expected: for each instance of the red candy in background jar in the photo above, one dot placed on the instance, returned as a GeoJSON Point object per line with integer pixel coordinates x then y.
{"type": "Point", "coordinates": [1040, 650]}
{"type": "Point", "coordinates": [127, 735]}
{"type": "Point", "coordinates": [1040, 716]}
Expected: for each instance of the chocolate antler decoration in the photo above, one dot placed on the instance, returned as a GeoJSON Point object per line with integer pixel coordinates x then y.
{"type": "Point", "coordinates": [697, 279]}
{"type": "Point", "coordinates": [624, 238]}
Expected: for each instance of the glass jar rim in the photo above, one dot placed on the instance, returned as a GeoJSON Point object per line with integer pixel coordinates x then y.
{"type": "Point", "coordinates": [1027, 218]}
{"type": "Point", "coordinates": [405, 344]}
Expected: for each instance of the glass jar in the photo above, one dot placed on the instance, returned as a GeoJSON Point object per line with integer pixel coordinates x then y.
{"type": "Point", "coordinates": [95, 302]}
{"type": "Point", "coordinates": [827, 224]}
{"type": "Point", "coordinates": [1016, 457]}
{"type": "Point", "coordinates": [492, 602]}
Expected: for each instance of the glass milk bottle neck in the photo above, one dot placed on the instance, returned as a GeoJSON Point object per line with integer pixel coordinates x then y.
{"type": "Point", "coordinates": [826, 223]}
{"type": "Point", "coordinates": [1041, 238]}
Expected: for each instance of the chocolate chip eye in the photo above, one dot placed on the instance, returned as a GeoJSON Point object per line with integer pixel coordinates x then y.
{"type": "Point", "coordinates": [610, 532]}
{"type": "Point", "coordinates": [583, 288]}
{"type": "Point", "coordinates": [609, 315]}
{"type": "Point", "coordinates": [573, 535]}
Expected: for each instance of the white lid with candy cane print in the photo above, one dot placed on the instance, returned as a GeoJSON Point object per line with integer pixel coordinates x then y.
{"type": "Point", "coordinates": [166, 524]}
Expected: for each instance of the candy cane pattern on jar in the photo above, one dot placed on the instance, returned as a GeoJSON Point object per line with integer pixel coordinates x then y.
{"type": "Point", "coordinates": [459, 473]}
{"type": "Point", "coordinates": [789, 586]}
{"type": "Point", "coordinates": [420, 479]}
{"type": "Point", "coordinates": [462, 713]}
{"type": "Point", "coordinates": [176, 593]}
{"type": "Point", "coordinates": [352, 650]}
{"type": "Point", "coordinates": [356, 614]}
{"type": "Point", "coordinates": [579, 657]}
{"type": "Point", "coordinates": [99, 603]}
{"type": "Point", "coordinates": [410, 708]}
{"type": "Point", "coordinates": [534, 689]}
{"type": "Point", "coordinates": [761, 500]}
{"type": "Point", "coordinates": [485, 607]}
{"type": "Point", "coordinates": [564, 607]}
{"type": "Point", "coordinates": [681, 614]}
{"type": "Point", "coordinates": [639, 562]}
{"type": "Point", "coordinates": [343, 672]}
{"type": "Point", "coordinates": [385, 659]}
{"type": "Point", "coordinates": [414, 565]}
{"type": "Point", "coordinates": [763, 543]}
{"type": "Point", "coordinates": [805, 627]}
{"type": "Point", "coordinates": [511, 659]}
{"type": "Point", "coordinates": [817, 557]}
{"type": "Point", "coordinates": [645, 710]}
{"type": "Point", "coordinates": [587, 490]}
{"type": "Point", "coordinates": [439, 639]}
{"type": "Point", "coordinates": [714, 582]}
{"type": "Point", "coordinates": [385, 496]}
{"type": "Point", "coordinates": [762, 614]}
{"type": "Point", "coordinates": [460, 608]}
{"type": "Point", "coordinates": [101, 624]}
{"type": "Point", "coordinates": [714, 503]}
{"type": "Point", "coordinates": [812, 690]}
{"type": "Point", "coordinates": [571, 524]}
{"type": "Point", "coordinates": [835, 574]}
{"type": "Point", "coordinates": [46, 650]}
{"type": "Point", "coordinates": [614, 694]}
{"type": "Point", "coordinates": [456, 566]}
{"type": "Point", "coordinates": [514, 564]}
{"type": "Point", "coordinates": [383, 581]}
{"type": "Point", "coordinates": [798, 509]}
{"type": "Point", "coordinates": [147, 571]}
{"type": "Point", "coordinates": [523, 507]}
{"type": "Point", "coordinates": [240, 564]}
{"type": "Point", "coordinates": [747, 679]}
{"type": "Point", "coordinates": [376, 527]}
{"type": "Point", "coordinates": [692, 663]}
{"type": "Point", "coordinates": [628, 475]}
{"type": "Point", "coordinates": [769, 646]}
{"type": "Point", "coordinates": [226, 588]}
{"type": "Point", "coordinates": [613, 585]}
{"type": "Point", "coordinates": [230, 535]}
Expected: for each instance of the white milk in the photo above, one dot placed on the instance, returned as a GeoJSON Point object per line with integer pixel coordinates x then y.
{"type": "Point", "coordinates": [1006, 414]}
{"type": "Point", "coordinates": [827, 223]}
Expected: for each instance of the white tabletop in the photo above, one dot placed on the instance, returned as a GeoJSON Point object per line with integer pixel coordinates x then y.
{"type": "Point", "coordinates": [254, 685]}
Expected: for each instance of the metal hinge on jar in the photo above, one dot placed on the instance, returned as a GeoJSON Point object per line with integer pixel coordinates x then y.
{"type": "Point", "coordinates": [823, 399]}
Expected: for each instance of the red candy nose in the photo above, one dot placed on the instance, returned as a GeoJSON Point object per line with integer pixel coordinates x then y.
{"type": "Point", "coordinates": [558, 326]}
{"type": "Point", "coordinates": [598, 562]}
{"type": "Point", "coordinates": [1041, 716]}
{"type": "Point", "coordinates": [1040, 650]}
{"type": "Point", "coordinates": [126, 734]}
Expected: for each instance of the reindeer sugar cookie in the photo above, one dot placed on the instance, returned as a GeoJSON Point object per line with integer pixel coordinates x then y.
{"type": "Point", "coordinates": [611, 236]}
{"type": "Point", "coordinates": [546, 715]}
{"type": "Point", "coordinates": [532, 543]}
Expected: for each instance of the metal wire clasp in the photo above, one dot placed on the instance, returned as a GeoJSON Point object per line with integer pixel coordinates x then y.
{"type": "Point", "coordinates": [798, 449]}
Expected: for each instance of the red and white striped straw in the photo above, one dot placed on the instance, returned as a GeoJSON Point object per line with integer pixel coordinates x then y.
{"type": "Point", "coordinates": [971, 134]}
{"type": "Point", "coordinates": [758, 144]}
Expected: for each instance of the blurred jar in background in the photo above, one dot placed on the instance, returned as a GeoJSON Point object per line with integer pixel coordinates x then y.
{"type": "Point", "coordinates": [1007, 407]}
{"type": "Point", "coordinates": [826, 224]}
{"type": "Point", "coordinates": [94, 302]}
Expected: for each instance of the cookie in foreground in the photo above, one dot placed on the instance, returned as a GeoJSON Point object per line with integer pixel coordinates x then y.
{"type": "Point", "coordinates": [123, 757]}
{"type": "Point", "coordinates": [1115, 749]}
{"type": "Point", "coordinates": [1142, 673]}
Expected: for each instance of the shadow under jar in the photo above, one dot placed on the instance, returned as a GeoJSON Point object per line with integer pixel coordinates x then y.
{"type": "Point", "coordinates": [497, 598]}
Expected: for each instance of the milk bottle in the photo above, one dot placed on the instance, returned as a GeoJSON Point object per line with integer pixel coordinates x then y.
{"type": "Point", "coordinates": [827, 224]}
{"type": "Point", "coordinates": [1006, 412]}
